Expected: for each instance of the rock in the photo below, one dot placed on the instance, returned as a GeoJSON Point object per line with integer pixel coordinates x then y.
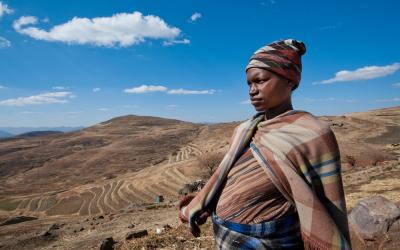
{"type": "Point", "coordinates": [82, 229]}
{"type": "Point", "coordinates": [136, 234]}
{"type": "Point", "coordinates": [50, 231]}
{"type": "Point", "coordinates": [192, 187]}
{"type": "Point", "coordinates": [372, 217]}
{"type": "Point", "coordinates": [337, 124]}
{"type": "Point", "coordinates": [56, 226]}
{"type": "Point", "coordinates": [45, 233]}
{"type": "Point", "coordinates": [107, 244]}
{"type": "Point", "coordinates": [165, 228]}
{"type": "Point", "coordinates": [131, 226]}
{"type": "Point", "coordinates": [18, 219]}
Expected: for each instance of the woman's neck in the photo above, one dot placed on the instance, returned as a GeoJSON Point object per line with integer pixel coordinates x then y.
{"type": "Point", "coordinates": [271, 113]}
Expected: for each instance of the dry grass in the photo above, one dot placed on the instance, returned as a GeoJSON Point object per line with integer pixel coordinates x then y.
{"type": "Point", "coordinates": [174, 238]}
{"type": "Point", "coordinates": [375, 180]}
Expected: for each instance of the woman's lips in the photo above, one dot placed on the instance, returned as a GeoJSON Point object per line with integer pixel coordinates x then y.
{"type": "Point", "coordinates": [256, 101]}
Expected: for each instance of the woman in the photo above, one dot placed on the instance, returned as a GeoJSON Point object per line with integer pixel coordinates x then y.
{"type": "Point", "coordinates": [279, 186]}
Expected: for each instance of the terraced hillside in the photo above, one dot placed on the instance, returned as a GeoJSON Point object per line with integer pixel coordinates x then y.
{"type": "Point", "coordinates": [58, 162]}
{"type": "Point", "coordinates": [129, 161]}
{"type": "Point", "coordinates": [130, 189]}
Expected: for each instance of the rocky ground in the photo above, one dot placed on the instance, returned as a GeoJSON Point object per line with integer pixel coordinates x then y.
{"type": "Point", "coordinates": [164, 231]}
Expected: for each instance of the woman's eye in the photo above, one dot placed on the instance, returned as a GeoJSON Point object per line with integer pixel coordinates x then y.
{"type": "Point", "coordinates": [259, 81]}
{"type": "Point", "coordinates": [262, 80]}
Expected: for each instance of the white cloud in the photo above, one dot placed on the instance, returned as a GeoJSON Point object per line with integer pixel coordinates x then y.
{"type": "Point", "coordinates": [195, 17]}
{"type": "Point", "coordinates": [146, 89]}
{"type": "Point", "coordinates": [172, 42]}
{"type": "Point", "coordinates": [122, 29]}
{"type": "Point", "coordinates": [96, 89]}
{"type": "Point", "coordinates": [308, 99]}
{"type": "Point", "coordinates": [30, 112]}
{"type": "Point", "coordinates": [73, 112]}
{"type": "Point", "coordinates": [395, 99]}
{"type": "Point", "coordinates": [326, 99]}
{"type": "Point", "coordinates": [191, 92]}
{"type": "Point", "coordinates": [364, 73]}
{"type": "Point", "coordinates": [129, 106]}
{"type": "Point", "coordinates": [4, 43]}
{"type": "Point", "coordinates": [4, 9]}
{"type": "Point", "coordinates": [171, 106]}
{"type": "Point", "coordinates": [2, 87]}
{"type": "Point", "coordinates": [245, 102]}
{"type": "Point", "coordinates": [24, 20]}
{"type": "Point", "coordinates": [158, 88]}
{"type": "Point", "coordinates": [58, 87]}
{"type": "Point", "coordinates": [45, 98]}
{"type": "Point", "coordinates": [103, 109]}
{"type": "Point", "coordinates": [396, 85]}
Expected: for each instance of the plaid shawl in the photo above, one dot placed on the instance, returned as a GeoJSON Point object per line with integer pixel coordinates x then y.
{"type": "Point", "coordinates": [301, 156]}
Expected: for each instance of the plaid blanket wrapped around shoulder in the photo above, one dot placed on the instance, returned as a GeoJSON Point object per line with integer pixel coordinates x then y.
{"type": "Point", "coordinates": [301, 156]}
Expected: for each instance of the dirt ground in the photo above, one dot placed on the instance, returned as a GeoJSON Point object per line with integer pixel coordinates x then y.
{"type": "Point", "coordinates": [87, 232]}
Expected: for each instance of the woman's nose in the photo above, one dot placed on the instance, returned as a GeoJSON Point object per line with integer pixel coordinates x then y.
{"type": "Point", "coordinates": [253, 89]}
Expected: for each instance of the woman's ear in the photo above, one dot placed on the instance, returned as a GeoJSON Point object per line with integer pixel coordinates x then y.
{"type": "Point", "coordinates": [291, 84]}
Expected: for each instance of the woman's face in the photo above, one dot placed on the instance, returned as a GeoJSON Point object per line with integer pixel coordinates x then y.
{"type": "Point", "coordinates": [268, 90]}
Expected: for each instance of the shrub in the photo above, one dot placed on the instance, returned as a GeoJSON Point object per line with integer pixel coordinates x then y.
{"type": "Point", "coordinates": [210, 161]}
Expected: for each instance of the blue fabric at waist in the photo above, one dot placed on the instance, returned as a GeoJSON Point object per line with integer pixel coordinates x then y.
{"type": "Point", "coordinates": [275, 228]}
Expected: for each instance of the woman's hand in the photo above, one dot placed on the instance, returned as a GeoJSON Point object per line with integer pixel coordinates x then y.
{"type": "Point", "coordinates": [200, 220]}
{"type": "Point", "coordinates": [182, 205]}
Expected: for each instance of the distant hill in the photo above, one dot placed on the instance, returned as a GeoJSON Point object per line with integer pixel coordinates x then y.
{"type": "Point", "coordinates": [22, 130]}
{"type": "Point", "coordinates": [4, 134]}
{"type": "Point", "coordinates": [37, 133]}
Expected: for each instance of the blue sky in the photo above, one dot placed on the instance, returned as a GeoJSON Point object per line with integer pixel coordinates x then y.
{"type": "Point", "coordinates": [77, 63]}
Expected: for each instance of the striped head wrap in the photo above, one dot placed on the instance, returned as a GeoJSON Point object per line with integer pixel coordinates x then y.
{"type": "Point", "coordinates": [281, 57]}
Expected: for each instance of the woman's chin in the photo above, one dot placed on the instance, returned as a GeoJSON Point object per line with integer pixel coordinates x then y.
{"type": "Point", "coordinates": [258, 108]}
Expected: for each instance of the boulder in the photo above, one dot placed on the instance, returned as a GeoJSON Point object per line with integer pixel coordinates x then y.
{"type": "Point", "coordinates": [372, 217]}
{"type": "Point", "coordinates": [107, 244]}
{"type": "Point", "coordinates": [136, 234]}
